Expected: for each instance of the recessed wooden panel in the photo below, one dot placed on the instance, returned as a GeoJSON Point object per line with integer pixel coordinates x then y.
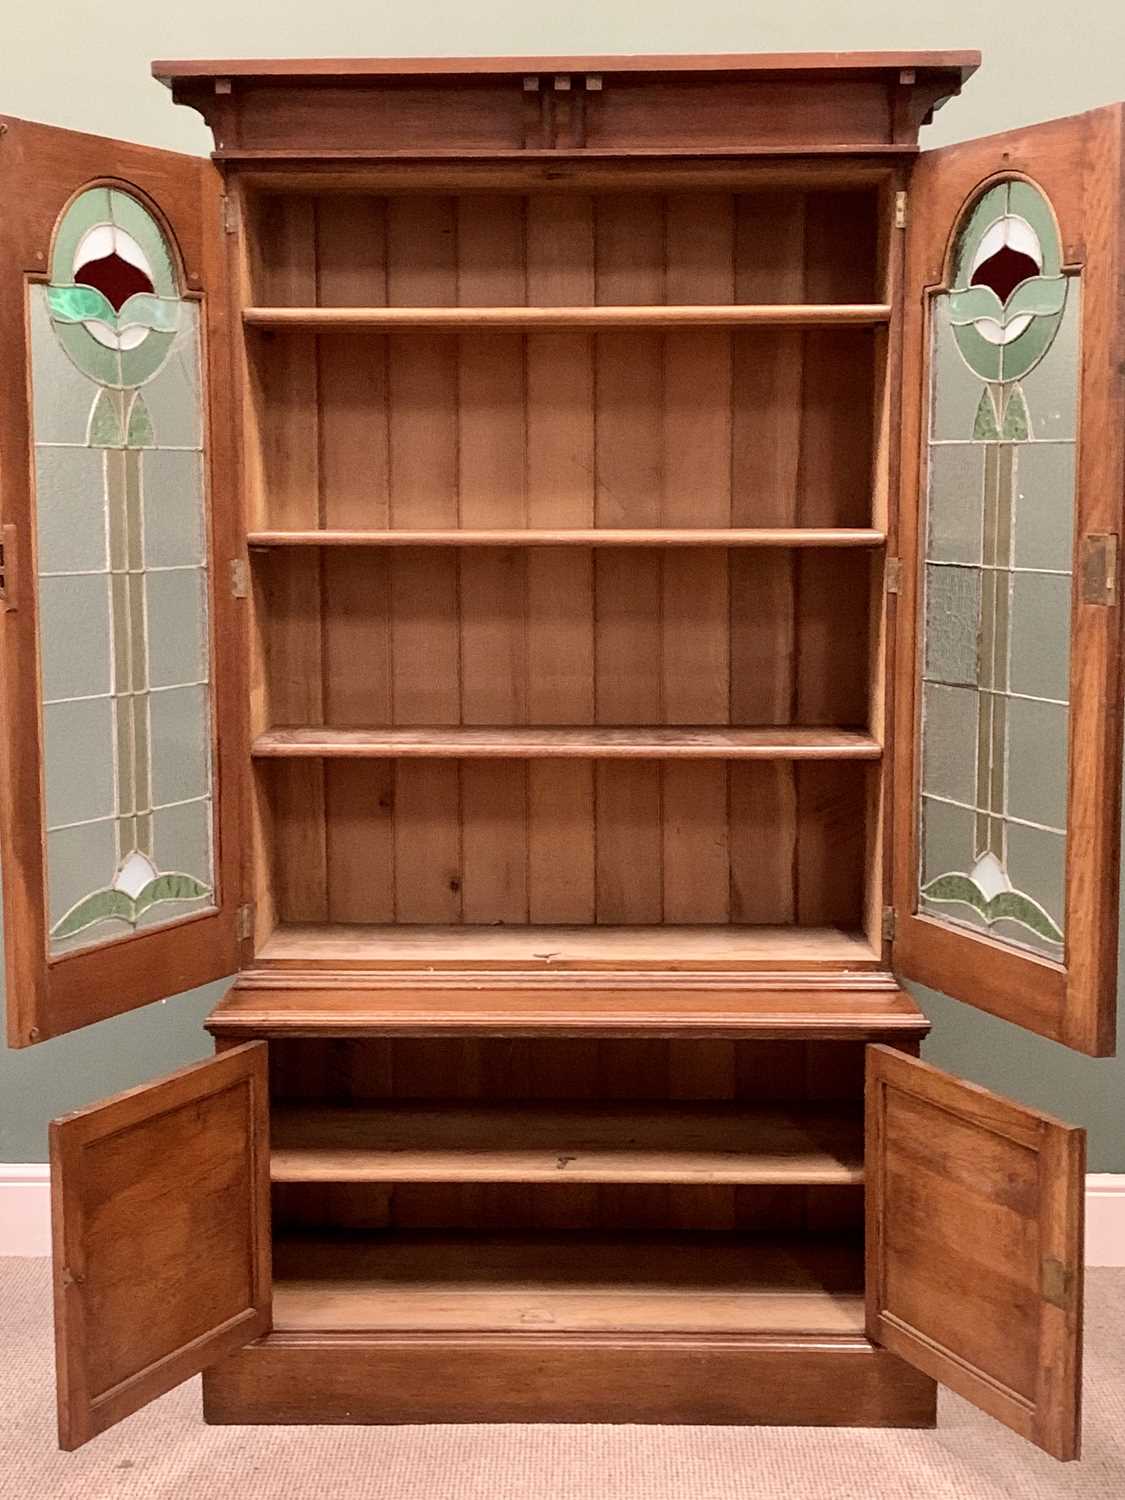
{"type": "Point", "coordinates": [161, 1236]}
{"type": "Point", "coordinates": [974, 1245]}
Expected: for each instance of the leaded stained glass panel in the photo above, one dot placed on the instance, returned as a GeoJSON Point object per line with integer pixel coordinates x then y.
{"type": "Point", "coordinates": [122, 575]}
{"type": "Point", "coordinates": [997, 576]}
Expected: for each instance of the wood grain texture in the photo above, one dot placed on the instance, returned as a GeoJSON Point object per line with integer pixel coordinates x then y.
{"type": "Point", "coordinates": [45, 1000]}
{"type": "Point", "coordinates": [506, 1143]}
{"type": "Point", "coordinates": [172, 1177]}
{"type": "Point", "coordinates": [1080, 165]}
{"type": "Point", "coordinates": [685, 742]}
{"type": "Point", "coordinates": [536, 1376]}
{"type": "Point", "coordinates": [600, 536]}
{"type": "Point", "coordinates": [628, 1004]}
{"type": "Point", "coordinates": [962, 62]}
{"type": "Point", "coordinates": [603, 316]}
{"type": "Point", "coordinates": [974, 1245]}
{"type": "Point", "coordinates": [575, 1283]}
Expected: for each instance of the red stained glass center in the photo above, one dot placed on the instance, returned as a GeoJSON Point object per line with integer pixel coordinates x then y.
{"type": "Point", "coordinates": [115, 278]}
{"type": "Point", "coordinates": [1004, 270]}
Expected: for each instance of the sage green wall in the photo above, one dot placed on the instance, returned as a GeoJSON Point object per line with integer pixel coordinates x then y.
{"type": "Point", "coordinates": [75, 63]}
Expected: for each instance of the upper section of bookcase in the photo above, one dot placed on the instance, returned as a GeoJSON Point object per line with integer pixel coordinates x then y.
{"type": "Point", "coordinates": [745, 104]}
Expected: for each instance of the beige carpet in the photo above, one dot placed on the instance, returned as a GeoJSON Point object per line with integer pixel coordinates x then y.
{"type": "Point", "coordinates": [166, 1452]}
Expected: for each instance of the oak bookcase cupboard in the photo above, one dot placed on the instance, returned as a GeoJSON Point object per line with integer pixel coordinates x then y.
{"type": "Point", "coordinates": [568, 576]}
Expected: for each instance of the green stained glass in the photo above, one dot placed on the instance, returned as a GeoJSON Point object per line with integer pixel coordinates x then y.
{"type": "Point", "coordinates": [985, 425]}
{"type": "Point", "coordinates": [1017, 424]}
{"type": "Point", "coordinates": [140, 424]}
{"type": "Point", "coordinates": [106, 427]}
{"type": "Point", "coordinates": [123, 597]}
{"type": "Point", "coordinates": [999, 528]}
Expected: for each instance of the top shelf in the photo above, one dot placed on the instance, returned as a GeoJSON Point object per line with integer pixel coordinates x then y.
{"type": "Point", "coordinates": [803, 314]}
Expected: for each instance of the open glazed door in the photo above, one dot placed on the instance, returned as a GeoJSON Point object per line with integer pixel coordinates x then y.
{"type": "Point", "coordinates": [118, 805]}
{"type": "Point", "coordinates": [974, 1245]}
{"type": "Point", "coordinates": [1008, 713]}
{"type": "Point", "coordinates": [161, 1223]}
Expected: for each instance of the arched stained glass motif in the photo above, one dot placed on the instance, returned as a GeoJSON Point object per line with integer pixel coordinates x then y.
{"type": "Point", "coordinates": [122, 576]}
{"type": "Point", "coordinates": [998, 546]}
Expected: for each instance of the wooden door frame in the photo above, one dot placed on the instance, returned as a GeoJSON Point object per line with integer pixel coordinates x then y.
{"type": "Point", "coordinates": [1080, 164]}
{"type": "Point", "coordinates": [47, 997]}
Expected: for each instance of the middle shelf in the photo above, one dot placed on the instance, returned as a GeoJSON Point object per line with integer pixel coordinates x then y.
{"type": "Point", "coordinates": [686, 742]}
{"type": "Point", "coordinates": [537, 1143]}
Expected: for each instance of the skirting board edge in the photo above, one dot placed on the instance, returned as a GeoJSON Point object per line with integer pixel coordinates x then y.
{"type": "Point", "coordinates": [25, 1213]}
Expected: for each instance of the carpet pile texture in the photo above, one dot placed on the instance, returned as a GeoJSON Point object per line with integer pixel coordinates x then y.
{"type": "Point", "coordinates": [167, 1453]}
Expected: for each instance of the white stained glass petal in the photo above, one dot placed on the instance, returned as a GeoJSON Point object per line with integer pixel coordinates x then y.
{"type": "Point", "coordinates": [136, 871]}
{"type": "Point", "coordinates": [993, 333]}
{"type": "Point", "coordinates": [989, 877]}
{"type": "Point", "coordinates": [1012, 232]}
{"type": "Point", "coordinates": [95, 244]}
{"type": "Point", "coordinates": [126, 247]}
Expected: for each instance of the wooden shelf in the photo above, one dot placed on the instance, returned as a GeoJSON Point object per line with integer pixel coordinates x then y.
{"type": "Point", "coordinates": [690, 742]}
{"type": "Point", "coordinates": [670, 1143]}
{"type": "Point", "coordinates": [859, 1007]}
{"type": "Point", "coordinates": [594, 536]}
{"type": "Point", "coordinates": [729, 315]}
{"type": "Point", "coordinates": [638, 1283]}
{"type": "Point", "coordinates": [527, 949]}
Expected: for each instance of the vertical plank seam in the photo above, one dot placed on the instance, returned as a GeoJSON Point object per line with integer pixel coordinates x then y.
{"type": "Point", "coordinates": [387, 365]}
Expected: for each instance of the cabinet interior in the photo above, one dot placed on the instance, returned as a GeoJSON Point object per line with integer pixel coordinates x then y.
{"type": "Point", "coordinates": [570, 1184]}
{"type": "Point", "coordinates": [682, 518]}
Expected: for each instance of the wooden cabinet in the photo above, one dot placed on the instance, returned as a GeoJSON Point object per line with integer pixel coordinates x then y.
{"type": "Point", "coordinates": [569, 578]}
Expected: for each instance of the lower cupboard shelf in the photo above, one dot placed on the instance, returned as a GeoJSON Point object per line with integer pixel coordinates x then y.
{"type": "Point", "coordinates": [663, 1284]}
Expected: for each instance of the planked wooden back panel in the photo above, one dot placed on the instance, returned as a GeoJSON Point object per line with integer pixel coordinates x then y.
{"type": "Point", "coordinates": [363, 638]}
{"type": "Point", "coordinates": [627, 427]}
{"type": "Point", "coordinates": [364, 1071]}
{"type": "Point", "coordinates": [545, 842]}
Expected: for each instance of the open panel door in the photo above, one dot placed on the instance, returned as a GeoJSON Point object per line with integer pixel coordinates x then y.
{"type": "Point", "coordinates": [161, 1225]}
{"type": "Point", "coordinates": [1008, 712]}
{"type": "Point", "coordinates": [974, 1245]}
{"type": "Point", "coordinates": [118, 805]}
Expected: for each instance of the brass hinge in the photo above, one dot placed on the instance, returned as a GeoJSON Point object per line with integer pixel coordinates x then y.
{"type": "Point", "coordinates": [892, 575]}
{"type": "Point", "coordinates": [1098, 570]}
{"type": "Point", "coordinates": [230, 214]}
{"type": "Point", "coordinates": [1056, 1282]}
{"type": "Point", "coordinates": [238, 577]}
{"type": "Point", "coordinates": [245, 923]}
{"type": "Point", "coordinates": [888, 924]}
{"type": "Point", "coordinates": [900, 210]}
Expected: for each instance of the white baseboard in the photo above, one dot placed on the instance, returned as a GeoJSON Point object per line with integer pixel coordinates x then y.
{"type": "Point", "coordinates": [25, 1213]}
{"type": "Point", "coordinates": [1105, 1219]}
{"type": "Point", "coordinates": [25, 1208]}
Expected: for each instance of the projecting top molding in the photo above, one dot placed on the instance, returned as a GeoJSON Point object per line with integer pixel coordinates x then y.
{"type": "Point", "coordinates": [769, 103]}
